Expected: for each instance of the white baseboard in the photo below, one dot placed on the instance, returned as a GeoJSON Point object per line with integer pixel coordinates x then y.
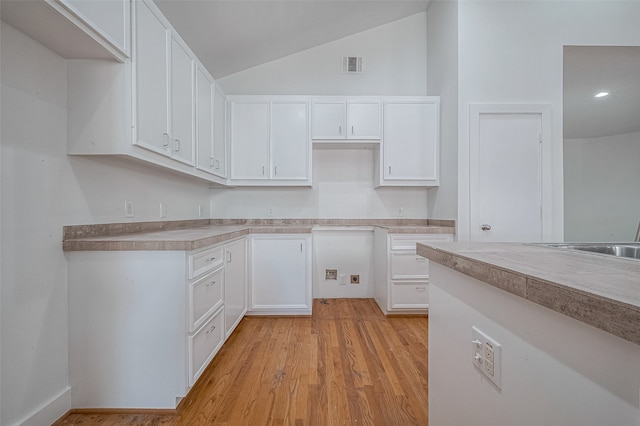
{"type": "Point", "coordinates": [50, 411]}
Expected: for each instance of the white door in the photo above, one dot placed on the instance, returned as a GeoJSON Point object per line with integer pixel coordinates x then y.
{"type": "Point", "coordinates": [249, 140]}
{"type": "Point", "coordinates": [152, 96]}
{"type": "Point", "coordinates": [410, 141]}
{"type": "Point", "coordinates": [204, 116]}
{"type": "Point", "coordinates": [329, 120]}
{"type": "Point", "coordinates": [219, 133]}
{"type": "Point", "coordinates": [364, 120]}
{"type": "Point", "coordinates": [182, 103]}
{"type": "Point", "coordinates": [235, 284]}
{"type": "Point", "coordinates": [280, 279]}
{"type": "Point", "coordinates": [506, 179]}
{"type": "Point", "coordinates": [290, 145]}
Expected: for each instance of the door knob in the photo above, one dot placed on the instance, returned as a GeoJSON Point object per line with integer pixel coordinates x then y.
{"type": "Point", "coordinates": [485, 227]}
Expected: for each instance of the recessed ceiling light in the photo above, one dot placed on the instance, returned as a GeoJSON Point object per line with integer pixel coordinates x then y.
{"type": "Point", "coordinates": [602, 94]}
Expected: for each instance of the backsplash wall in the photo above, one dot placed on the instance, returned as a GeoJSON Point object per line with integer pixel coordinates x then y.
{"type": "Point", "coordinates": [343, 187]}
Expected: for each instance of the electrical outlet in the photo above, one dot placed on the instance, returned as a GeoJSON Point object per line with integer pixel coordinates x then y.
{"type": "Point", "coordinates": [199, 210]}
{"type": "Point", "coordinates": [400, 211]}
{"type": "Point", "coordinates": [355, 279]}
{"type": "Point", "coordinates": [128, 208]}
{"type": "Point", "coordinates": [486, 355]}
{"type": "Point", "coordinates": [163, 210]}
{"type": "Point", "coordinates": [269, 211]}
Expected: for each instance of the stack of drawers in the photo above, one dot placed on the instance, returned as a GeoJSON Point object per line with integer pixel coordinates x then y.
{"type": "Point", "coordinates": [205, 309]}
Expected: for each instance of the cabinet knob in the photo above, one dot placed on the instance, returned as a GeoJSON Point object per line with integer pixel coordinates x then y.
{"type": "Point", "coordinates": [485, 227]}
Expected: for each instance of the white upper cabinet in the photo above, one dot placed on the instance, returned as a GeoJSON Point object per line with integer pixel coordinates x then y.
{"type": "Point", "coordinates": [210, 124]}
{"type": "Point", "coordinates": [249, 139]}
{"type": "Point", "coordinates": [182, 102]}
{"type": "Point", "coordinates": [290, 140]}
{"type": "Point", "coordinates": [337, 119]}
{"type": "Point", "coordinates": [205, 88]}
{"type": "Point", "coordinates": [219, 133]}
{"type": "Point", "coordinates": [329, 120]}
{"type": "Point", "coordinates": [109, 18]}
{"type": "Point", "coordinates": [269, 141]}
{"type": "Point", "coordinates": [364, 120]}
{"type": "Point", "coordinates": [152, 48]}
{"type": "Point", "coordinates": [410, 154]}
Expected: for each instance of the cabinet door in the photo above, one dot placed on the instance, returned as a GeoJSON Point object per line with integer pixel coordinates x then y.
{"type": "Point", "coordinates": [219, 134]}
{"type": "Point", "coordinates": [363, 120]}
{"type": "Point", "coordinates": [411, 141]}
{"type": "Point", "coordinates": [290, 151]}
{"type": "Point", "coordinates": [235, 284]}
{"type": "Point", "coordinates": [329, 120]}
{"type": "Point", "coordinates": [280, 278]}
{"type": "Point", "coordinates": [182, 102]}
{"type": "Point", "coordinates": [151, 80]}
{"type": "Point", "coordinates": [249, 140]}
{"type": "Point", "coordinates": [204, 120]}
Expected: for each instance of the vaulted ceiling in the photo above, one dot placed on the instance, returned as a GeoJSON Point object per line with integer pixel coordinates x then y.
{"type": "Point", "coordinates": [232, 35]}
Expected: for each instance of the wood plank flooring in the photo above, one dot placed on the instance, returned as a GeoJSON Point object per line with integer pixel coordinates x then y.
{"type": "Point", "coordinates": [345, 365]}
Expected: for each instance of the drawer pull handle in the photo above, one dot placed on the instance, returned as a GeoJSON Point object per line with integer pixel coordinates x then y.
{"type": "Point", "coordinates": [213, 327]}
{"type": "Point", "coordinates": [211, 259]}
{"type": "Point", "coordinates": [211, 283]}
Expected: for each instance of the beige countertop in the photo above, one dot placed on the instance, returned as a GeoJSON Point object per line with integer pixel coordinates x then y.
{"type": "Point", "coordinates": [193, 235]}
{"type": "Point", "coordinates": [599, 290]}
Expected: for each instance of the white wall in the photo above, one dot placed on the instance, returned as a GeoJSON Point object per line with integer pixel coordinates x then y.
{"type": "Point", "coordinates": [42, 190]}
{"type": "Point", "coordinates": [351, 253]}
{"type": "Point", "coordinates": [555, 369]}
{"type": "Point", "coordinates": [394, 63]}
{"type": "Point", "coordinates": [601, 188]}
{"type": "Point", "coordinates": [442, 51]}
{"type": "Point", "coordinates": [511, 52]}
{"type": "Point", "coordinates": [342, 188]}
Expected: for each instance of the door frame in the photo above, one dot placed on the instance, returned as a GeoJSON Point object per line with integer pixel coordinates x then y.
{"type": "Point", "coordinates": [546, 163]}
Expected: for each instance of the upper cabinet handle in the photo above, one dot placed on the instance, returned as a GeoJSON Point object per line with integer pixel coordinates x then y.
{"type": "Point", "coordinates": [340, 130]}
{"type": "Point", "coordinates": [352, 131]}
{"type": "Point", "coordinates": [165, 139]}
{"type": "Point", "coordinates": [177, 145]}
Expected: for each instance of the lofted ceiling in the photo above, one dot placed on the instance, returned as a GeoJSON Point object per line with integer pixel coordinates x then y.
{"type": "Point", "coordinates": [592, 69]}
{"type": "Point", "coordinates": [232, 35]}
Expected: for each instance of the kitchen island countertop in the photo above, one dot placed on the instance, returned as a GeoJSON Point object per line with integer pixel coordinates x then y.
{"type": "Point", "coordinates": [599, 290]}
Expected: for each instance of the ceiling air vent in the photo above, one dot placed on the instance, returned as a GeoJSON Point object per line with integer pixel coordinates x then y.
{"type": "Point", "coordinates": [352, 64]}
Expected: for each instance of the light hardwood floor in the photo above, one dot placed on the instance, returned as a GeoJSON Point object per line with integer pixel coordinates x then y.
{"type": "Point", "coordinates": [345, 365]}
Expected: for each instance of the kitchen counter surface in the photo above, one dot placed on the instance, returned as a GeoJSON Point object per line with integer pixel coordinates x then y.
{"type": "Point", "coordinates": [599, 290]}
{"type": "Point", "coordinates": [194, 235]}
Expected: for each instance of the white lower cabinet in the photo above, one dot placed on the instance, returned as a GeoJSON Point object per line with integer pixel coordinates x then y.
{"type": "Point", "coordinates": [402, 276]}
{"type": "Point", "coordinates": [144, 325]}
{"type": "Point", "coordinates": [280, 275]}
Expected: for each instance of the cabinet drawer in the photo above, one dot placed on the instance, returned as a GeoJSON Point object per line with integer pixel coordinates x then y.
{"type": "Point", "coordinates": [410, 295]}
{"type": "Point", "coordinates": [408, 265]}
{"type": "Point", "coordinates": [204, 344]}
{"type": "Point", "coordinates": [409, 242]}
{"type": "Point", "coordinates": [204, 261]}
{"type": "Point", "coordinates": [205, 296]}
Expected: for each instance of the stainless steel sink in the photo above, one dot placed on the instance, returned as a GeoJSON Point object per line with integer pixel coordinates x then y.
{"type": "Point", "coordinates": [626, 250]}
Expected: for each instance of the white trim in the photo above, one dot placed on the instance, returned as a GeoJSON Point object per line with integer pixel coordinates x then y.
{"type": "Point", "coordinates": [50, 411]}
